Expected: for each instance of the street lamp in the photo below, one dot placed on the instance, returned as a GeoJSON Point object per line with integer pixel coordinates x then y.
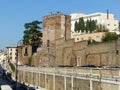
{"type": "Point", "coordinates": [16, 74]}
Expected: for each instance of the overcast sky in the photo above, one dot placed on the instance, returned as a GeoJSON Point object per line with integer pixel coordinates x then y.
{"type": "Point", "coordinates": [15, 13]}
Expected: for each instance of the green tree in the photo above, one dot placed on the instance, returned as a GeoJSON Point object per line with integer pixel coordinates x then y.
{"type": "Point", "coordinates": [87, 27]}
{"type": "Point", "coordinates": [76, 27]}
{"type": "Point", "coordinates": [90, 25]}
{"type": "Point", "coordinates": [32, 35]}
{"type": "Point", "coordinates": [81, 24]}
{"type": "Point", "coordinates": [101, 28]}
{"type": "Point", "coordinates": [12, 66]}
{"type": "Point", "coordinates": [93, 25]}
{"type": "Point", "coordinates": [110, 36]}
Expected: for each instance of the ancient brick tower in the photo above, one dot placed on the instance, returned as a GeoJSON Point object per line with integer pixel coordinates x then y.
{"type": "Point", "coordinates": [56, 26]}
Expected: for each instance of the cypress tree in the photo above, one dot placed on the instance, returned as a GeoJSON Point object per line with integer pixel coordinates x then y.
{"type": "Point", "coordinates": [76, 27]}
{"type": "Point", "coordinates": [92, 25]}
{"type": "Point", "coordinates": [87, 27]}
{"type": "Point", "coordinates": [81, 24]}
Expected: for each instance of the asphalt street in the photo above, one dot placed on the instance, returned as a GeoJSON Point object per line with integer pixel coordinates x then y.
{"type": "Point", "coordinates": [2, 81]}
{"type": "Point", "coordinates": [5, 80]}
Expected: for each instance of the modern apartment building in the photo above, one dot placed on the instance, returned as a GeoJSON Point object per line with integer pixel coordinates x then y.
{"type": "Point", "coordinates": [105, 19]}
{"type": "Point", "coordinates": [12, 53]}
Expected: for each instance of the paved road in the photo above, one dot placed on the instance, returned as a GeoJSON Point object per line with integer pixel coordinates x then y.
{"type": "Point", "coordinates": [5, 80]}
{"type": "Point", "coordinates": [2, 81]}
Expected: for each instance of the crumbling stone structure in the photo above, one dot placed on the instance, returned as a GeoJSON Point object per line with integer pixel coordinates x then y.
{"type": "Point", "coordinates": [59, 49]}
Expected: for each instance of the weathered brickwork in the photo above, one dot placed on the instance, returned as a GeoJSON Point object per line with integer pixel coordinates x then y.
{"type": "Point", "coordinates": [56, 26]}
{"type": "Point", "coordinates": [68, 52]}
{"type": "Point", "coordinates": [63, 50]}
{"type": "Point", "coordinates": [59, 49]}
{"type": "Point", "coordinates": [23, 55]}
{"type": "Point", "coordinates": [80, 53]}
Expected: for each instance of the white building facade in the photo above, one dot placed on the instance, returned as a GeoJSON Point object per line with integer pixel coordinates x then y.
{"type": "Point", "coordinates": [12, 53]}
{"type": "Point", "coordinates": [105, 19]}
{"type": "Point", "coordinates": [3, 59]}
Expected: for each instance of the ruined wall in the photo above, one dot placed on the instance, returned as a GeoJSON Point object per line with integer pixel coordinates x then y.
{"type": "Point", "coordinates": [103, 54]}
{"type": "Point", "coordinates": [22, 55]}
{"type": "Point", "coordinates": [43, 57]}
{"type": "Point", "coordinates": [68, 51]}
{"type": "Point", "coordinates": [80, 53]}
{"type": "Point", "coordinates": [62, 50]}
{"type": "Point", "coordinates": [59, 52]}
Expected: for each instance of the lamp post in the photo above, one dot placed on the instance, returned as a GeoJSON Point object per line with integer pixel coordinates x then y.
{"type": "Point", "coordinates": [16, 74]}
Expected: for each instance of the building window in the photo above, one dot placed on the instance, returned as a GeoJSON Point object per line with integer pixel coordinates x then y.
{"type": "Point", "coordinates": [16, 53]}
{"type": "Point", "coordinates": [15, 57]}
{"type": "Point", "coordinates": [97, 38]}
{"type": "Point", "coordinates": [26, 52]}
{"type": "Point", "coordinates": [77, 38]}
{"type": "Point", "coordinates": [11, 49]}
{"type": "Point", "coordinates": [108, 24]}
{"type": "Point", "coordinates": [10, 53]}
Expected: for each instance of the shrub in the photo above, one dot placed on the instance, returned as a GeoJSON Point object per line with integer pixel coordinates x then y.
{"type": "Point", "coordinates": [30, 61]}
{"type": "Point", "coordinates": [12, 66]}
{"type": "Point", "coordinates": [92, 42]}
{"type": "Point", "coordinates": [110, 36]}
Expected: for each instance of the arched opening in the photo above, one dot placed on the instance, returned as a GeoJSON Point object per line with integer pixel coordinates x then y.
{"type": "Point", "coordinates": [78, 61]}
